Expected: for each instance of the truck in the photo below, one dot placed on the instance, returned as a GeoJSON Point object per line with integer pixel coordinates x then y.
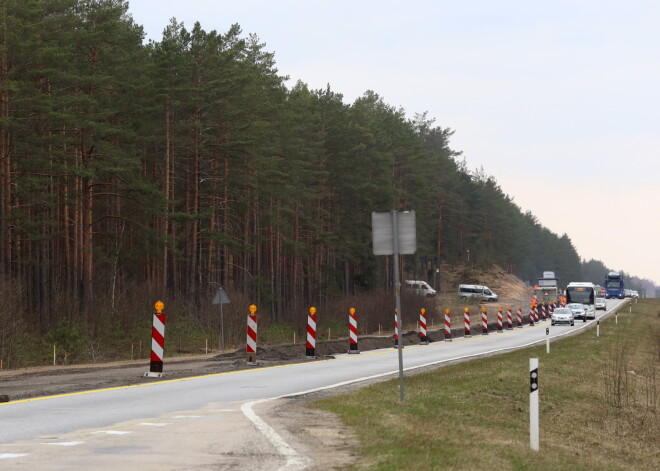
{"type": "Point", "coordinates": [614, 285]}
{"type": "Point", "coordinates": [546, 289]}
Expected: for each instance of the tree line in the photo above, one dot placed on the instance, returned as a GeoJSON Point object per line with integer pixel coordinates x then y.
{"type": "Point", "coordinates": [187, 163]}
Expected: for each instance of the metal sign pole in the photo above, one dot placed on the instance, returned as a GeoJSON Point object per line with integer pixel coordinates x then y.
{"type": "Point", "coordinates": [221, 298]}
{"type": "Point", "coordinates": [397, 288]}
{"type": "Point", "coordinates": [222, 329]}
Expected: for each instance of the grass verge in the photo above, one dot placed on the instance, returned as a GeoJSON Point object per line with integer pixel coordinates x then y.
{"type": "Point", "coordinates": [599, 407]}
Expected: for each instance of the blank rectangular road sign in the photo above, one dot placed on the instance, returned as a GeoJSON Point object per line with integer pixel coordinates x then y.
{"type": "Point", "coordinates": [383, 233]}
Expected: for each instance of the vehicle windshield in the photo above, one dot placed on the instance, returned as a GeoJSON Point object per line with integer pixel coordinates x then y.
{"type": "Point", "coordinates": [562, 310]}
{"type": "Point", "coordinates": [613, 284]}
{"type": "Point", "coordinates": [576, 306]}
{"type": "Point", "coordinates": [580, 295]}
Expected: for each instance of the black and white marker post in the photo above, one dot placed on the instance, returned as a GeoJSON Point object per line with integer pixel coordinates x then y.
{"type": "Point", "coordinates": [547, 340]}
{"type": "Point", "coordinates": [534, 404]}
{"type": "Point", "coordinates": [598, 328]}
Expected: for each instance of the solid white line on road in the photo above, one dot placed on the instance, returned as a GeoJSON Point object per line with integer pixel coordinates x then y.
{"type": "Point", "coordinates": [64, 443]}
{"type": "Point", "coordinates": [7, 456]}
{"type": "Point", "coordinates": [113, 432]}
{"type": "Point", "coordinates": [294, 461]}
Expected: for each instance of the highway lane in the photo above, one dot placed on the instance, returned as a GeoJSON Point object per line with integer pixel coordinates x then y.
{"type": "Point", "coordinates": [35, 420]}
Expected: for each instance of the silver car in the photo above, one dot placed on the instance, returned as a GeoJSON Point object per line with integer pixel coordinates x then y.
{"type": "Point", "coordinates": [578, 310]}
{"type": "Point", "coordinates": [600, 303]}
{"type": "Point", "coordinates": [562, 315]}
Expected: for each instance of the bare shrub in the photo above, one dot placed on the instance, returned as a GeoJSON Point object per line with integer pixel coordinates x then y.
{"type": "Point", "coordinates": [618, 384]}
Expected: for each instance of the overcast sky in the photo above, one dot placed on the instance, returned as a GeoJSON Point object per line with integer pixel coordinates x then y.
{"type": "Point", "coordinates": [559, 101]}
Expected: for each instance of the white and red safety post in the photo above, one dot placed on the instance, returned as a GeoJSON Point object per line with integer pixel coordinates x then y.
{"type": "Point", "coordinates": [536, 313]}
{"type": "Point", "coordinates": [484, 321]}
{"type": "Point", "coordinates": [509, 319]}
{"type": "Point", "coordinates": [531, 315]}
{"type": "Point", "coordinates": [499, 320]}
{"type": "Point", "coordinates": [352, 332]}
{"type": "Point", "coordinates": [447, 326]}
{"type": "Point", "coordinates": [251, 342]}
{"type": "Point", "coordinates": [310, 353]}
{"type": "Point", "coordinates": [423, 339]}
{"type": "Point", "coordinates": [466, 318]}
{"type": "Point", "coordinates": [157, 342]}
{"type": "Point", "coordinates": [543, 311]}
{"type": "Point", "coordinates": [396, 329]}
{"type": "Point", "coordinates": [519, 314]}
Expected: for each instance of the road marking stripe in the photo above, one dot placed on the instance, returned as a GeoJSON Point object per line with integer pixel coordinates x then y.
{"type": "Point", "coordinates": [64, 443]}
{"type": "Point", "coordinates": [294, 461]}
{"type": "Point", "coordinates": [113, 432]}
{"type": "Point", "coordinates": [151, 424]}
{"type": "Point", "coordinates": [7, 456]}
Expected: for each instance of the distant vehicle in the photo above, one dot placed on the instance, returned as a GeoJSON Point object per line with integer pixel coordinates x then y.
{"type": "Point", "coordinates": [420, 287]}
{"type": "Point", "coordinates": [546, 289]}
{"type": "Point", "coordinates": [483, 293]}
{"type": "Point", "coordinates": [627, 293]}
{"type": "Point", "coordinates": [578, 310]}
{"type": "Point", "coordinates": [562, 315]}
{"type": "Point", "coordinates": [614, 285]}
{"type": "Point", "coordinates": [600, 303]}
{"type": "Point", "coordinates": [635, 294]}
{"type": "Point", "coordinates": [583, 293]}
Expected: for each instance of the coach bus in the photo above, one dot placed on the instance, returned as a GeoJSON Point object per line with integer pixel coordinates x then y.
{"type": "Point", "coordinates": [583, 293]}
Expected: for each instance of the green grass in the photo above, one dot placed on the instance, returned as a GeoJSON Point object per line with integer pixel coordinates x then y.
{"type": "Point", "coordinates": [594, 415]}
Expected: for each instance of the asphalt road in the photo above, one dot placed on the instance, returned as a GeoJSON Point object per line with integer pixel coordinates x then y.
{"type": "Point", "coordinates": [218, 421]}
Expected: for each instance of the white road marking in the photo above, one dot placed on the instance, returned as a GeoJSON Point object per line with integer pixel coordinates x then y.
{"type": "Point", "coordinates": [294, 461]}
{"type": "Point", "coordinates": [64, 443]}
{"type": "Point", "coordinates": [151, 424]}
{"type": "Point", "coordinates": [113, 432]}
{"type": "Point", "coordinates": [187, 416]}
{"type": "Point", "coordinates": [7, 456]}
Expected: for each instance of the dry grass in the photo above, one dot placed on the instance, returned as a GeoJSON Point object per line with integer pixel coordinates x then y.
{"type": "Point", "coordinates": [595, 415]}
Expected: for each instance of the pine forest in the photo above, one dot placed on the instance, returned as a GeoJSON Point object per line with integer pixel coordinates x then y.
{"type": "Point", "coordinates": [134, 171]}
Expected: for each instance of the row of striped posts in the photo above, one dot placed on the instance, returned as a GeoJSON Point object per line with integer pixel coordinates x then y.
{"type": "Point", "coordinates": [310, 344]}
{"type": "Point", "coordinates": [158, 330]}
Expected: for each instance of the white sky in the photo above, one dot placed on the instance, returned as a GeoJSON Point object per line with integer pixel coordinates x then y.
{"type": "Point", "coordinates": [559, 101]}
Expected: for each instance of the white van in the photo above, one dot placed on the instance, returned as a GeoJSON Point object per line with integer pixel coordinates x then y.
{"type": "Point", "coordinates": [419, 287]}
{"type": "Point", "coordinates": [483, 293]}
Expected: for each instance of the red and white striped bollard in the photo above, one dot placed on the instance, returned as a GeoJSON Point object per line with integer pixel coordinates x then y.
{"type": "Point", "coordinates": [509, 319]}
{"type": "Point", "coordinates": [423, 339]}
{"type": "Point", "coordinates": [499, 320]}
{"type": "Point", "coordinates": [531, 315]}
{"type": "Point", "coordinates": [447, 326]}
{"type": "Point", "coordinates": [466, 318]}
{"type": "Point", "coordinates": [396, 329]}
{"type": "Point", "coordinates": [157, 342]}
{"type": "Point", "coordinates": [310, 352]}
{"type": "Point", "coordinates": [353, 332]}
{"type": "Point", "coordinates": [484, 321]}
{"type": "Point", "coordinates": [519, 314]}
{"type": "Point", "coordinates": [251, 342]}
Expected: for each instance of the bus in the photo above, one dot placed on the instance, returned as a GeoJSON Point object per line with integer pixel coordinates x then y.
{"type": "Point", "coordinates": [614, 286]}
{"type": "Point", "coordinates": [583, 293]}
